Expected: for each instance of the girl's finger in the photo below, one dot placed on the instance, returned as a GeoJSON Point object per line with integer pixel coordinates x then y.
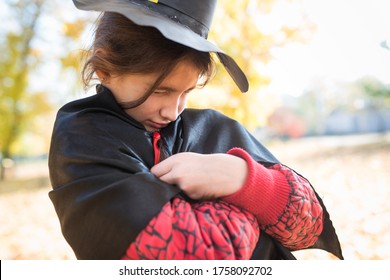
{"type": "Point", "coordinates": [161, 168]}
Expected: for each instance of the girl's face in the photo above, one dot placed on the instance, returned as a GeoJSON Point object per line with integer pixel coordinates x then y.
{"type": "Point", "coordinates": [165, 104]}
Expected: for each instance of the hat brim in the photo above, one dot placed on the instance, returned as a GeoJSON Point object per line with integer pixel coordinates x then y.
{"type": "Point", "coordinates": [169, 29]}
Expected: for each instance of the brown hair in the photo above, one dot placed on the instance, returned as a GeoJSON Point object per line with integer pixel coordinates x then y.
{"type": "Point", "coordinates": [122, 47]}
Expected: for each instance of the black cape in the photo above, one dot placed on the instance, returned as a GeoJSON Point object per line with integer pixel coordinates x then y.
{"type": "Point", "coordinates": [103, 191]}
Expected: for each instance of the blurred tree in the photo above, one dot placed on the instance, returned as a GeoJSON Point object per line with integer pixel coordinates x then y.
{"type": "Point", "coordinates": [20, 56]}
{"type": "Point", "coordinates": [374, 89]}
{"type": "Point", "coordinates": [237, 29]}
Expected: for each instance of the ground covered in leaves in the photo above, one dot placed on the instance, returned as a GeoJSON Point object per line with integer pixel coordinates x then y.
{"type": "Point", "coordinates": [351, 174]}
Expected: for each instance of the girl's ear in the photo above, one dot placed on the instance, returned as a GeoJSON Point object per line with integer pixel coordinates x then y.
{"type": "Point", "coordinates": [103, 77]}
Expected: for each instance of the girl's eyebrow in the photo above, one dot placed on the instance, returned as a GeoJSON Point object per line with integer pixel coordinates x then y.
{"type": "Point", "coordinates": [172, 89]}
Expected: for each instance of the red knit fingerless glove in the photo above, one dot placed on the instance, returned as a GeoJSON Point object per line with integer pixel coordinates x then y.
{"type": "Point", "coordinates": [265, 192]}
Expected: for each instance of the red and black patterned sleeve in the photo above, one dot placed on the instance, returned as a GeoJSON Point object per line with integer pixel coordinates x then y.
{"type": "Point", "coordinates": [284, 203]}
{"type": "Point", "coordinates": [275, 199]}
{"type": "Point", "coordinates": [199, 231]}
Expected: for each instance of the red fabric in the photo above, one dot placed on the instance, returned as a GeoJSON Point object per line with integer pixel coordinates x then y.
{"type": "Point", "coordinates": [301, 222]}
{"type": "Point", "coordinates": [201, 231]}
{"type": "Point", "coordinates": [265, 192]}
{"type": "Point", "coordinates": [156, 148]}
{"type": "Point", "coordinates": [283, 202]}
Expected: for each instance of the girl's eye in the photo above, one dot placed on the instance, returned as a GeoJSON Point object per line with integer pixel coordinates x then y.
{"type": "Point", "coordinates": [160, 92]}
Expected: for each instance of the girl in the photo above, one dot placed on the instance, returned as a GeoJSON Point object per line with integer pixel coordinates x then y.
{"type": "Point", "coordinates": [135, 175]}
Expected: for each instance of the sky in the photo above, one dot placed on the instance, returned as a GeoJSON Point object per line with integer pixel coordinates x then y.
{"type": "Point", "coordinates": [345, 47]}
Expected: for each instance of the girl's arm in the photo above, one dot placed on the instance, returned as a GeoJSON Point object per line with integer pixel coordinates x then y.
{"type": "Point", "coordinates": [283, 202]}
{"type": "Point", "coordinates": [199, 231]}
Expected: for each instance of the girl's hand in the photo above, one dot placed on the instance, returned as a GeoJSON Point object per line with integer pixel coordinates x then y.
{"type": "Point", "coordinates": [203, 176]}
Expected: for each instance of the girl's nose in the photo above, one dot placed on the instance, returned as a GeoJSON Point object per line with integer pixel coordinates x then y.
{"type": "Point", "coordinates": [171, 110]}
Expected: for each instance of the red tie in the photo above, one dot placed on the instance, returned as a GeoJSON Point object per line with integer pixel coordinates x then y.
{"type": "Point", "coordinates": [156, 148]}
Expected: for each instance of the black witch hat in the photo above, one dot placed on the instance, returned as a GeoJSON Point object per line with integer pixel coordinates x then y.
{"type": "Point", "coordinates": [185, 22]}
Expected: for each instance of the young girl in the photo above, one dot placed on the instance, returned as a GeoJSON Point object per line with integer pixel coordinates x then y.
{"type": "Point", "coordinates": [135, 175]}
